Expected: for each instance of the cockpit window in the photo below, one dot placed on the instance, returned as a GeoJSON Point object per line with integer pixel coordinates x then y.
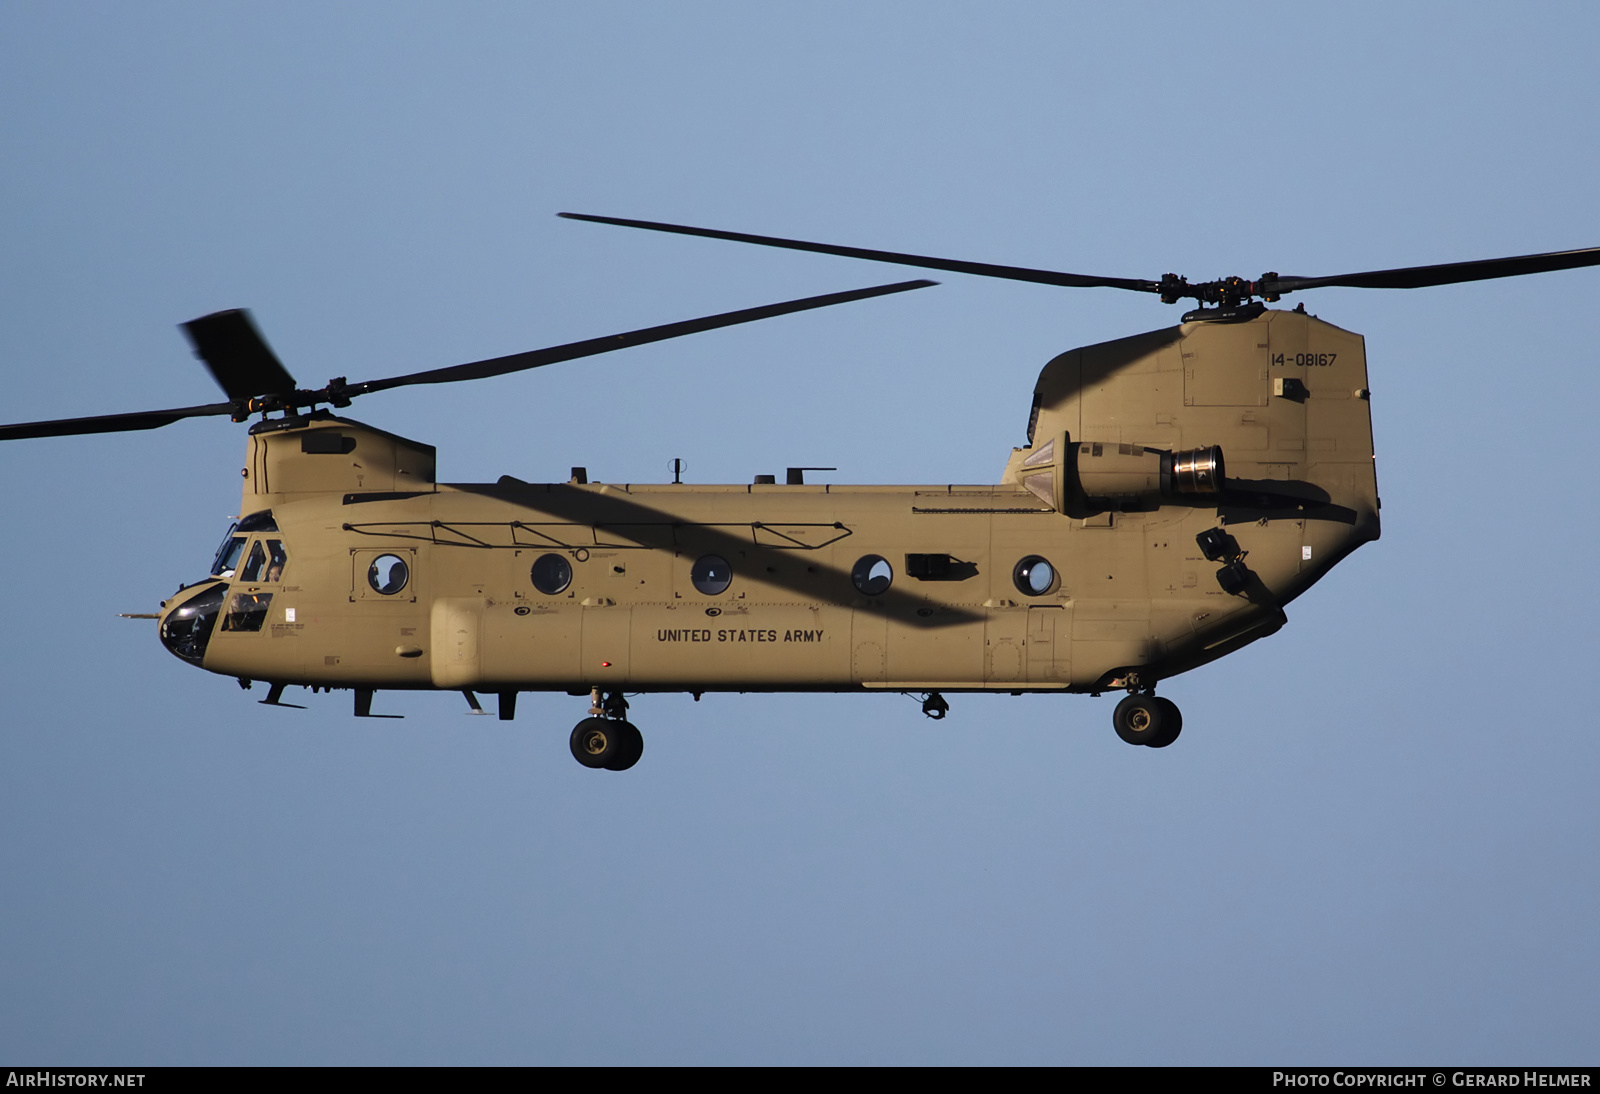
{"type": "Point", "coordinates": [247, 611]}
{"type": "Point", "coordinates": [256, 563]}
{"type": "Point", "coordinates": [276, 559]}
{"type": "Point", "coordinates": [228, 553]}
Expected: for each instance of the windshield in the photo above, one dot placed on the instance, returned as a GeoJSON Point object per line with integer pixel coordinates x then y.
{"type": "Point", "coordinates": [227, 559]}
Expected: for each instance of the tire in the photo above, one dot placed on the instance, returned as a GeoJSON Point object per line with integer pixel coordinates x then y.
{"type": "Point", "coordinates": [596, 742]}
{"type": "Point", "coordinates": [630, 746]}
{"type": "Point", "coordinates": [1140, 719]}
{"type": "Point", "coordinates": [1172, 724]}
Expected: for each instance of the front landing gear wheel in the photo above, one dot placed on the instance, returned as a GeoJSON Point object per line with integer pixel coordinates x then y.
{"type": "Point", "coordinates": [1144, 719]}
{"type": "Point", "coordinates": [594, 742]}
{"type": "Point", "coordinates": [1173, 724]}
{"type": "Point", "coordinates": [607, 742]}
{"type": "Point", "coordinates": [603, 742]}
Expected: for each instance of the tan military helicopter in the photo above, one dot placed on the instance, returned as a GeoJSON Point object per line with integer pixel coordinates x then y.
{"type": "Point", "coordinates": [1116, 551]}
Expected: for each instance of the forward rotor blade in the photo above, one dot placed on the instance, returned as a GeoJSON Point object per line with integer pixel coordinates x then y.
{"type": "Point", "coordinates": [1448, 273]}
{"type": "Point", "coordinates": [238, 357]}
{"type": "Point", "coordinates": [516, 362]}
{"type": "Point", "coordinates": [982, 269]}
{"type": "Point", "coordinates": [109, 423]}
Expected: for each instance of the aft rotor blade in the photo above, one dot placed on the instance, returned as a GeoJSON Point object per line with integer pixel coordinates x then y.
{"type": "Point", "coordinates": [109, 423]}
{"type": "Point", "coordinates": [516, 362]}
{"type": "Point", "coordinates": [238, 357]}
{"type": "Point", "coordinates": [1448, 273]}
{"type": "Point", "coordinates": [982, 269]}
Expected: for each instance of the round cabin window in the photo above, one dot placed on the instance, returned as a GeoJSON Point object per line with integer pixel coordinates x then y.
{"type": "Point", "coordinates": [1034, 576]}
{"type": "Point", "coordinates": [711, 574]}
{"type": "Point", "coordinates": [872, 574]}
{"type": "Point", "coordinates": [552, 574]}
{"type": "Point", "coordinates": [388, 574]}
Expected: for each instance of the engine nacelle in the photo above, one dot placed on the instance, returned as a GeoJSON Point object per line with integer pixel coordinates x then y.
{"type": "Point", "coordinates": [1093, 476]}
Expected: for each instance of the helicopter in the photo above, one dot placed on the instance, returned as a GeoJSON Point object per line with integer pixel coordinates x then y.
{"type": "Point", "coordinates": [1177, 490]}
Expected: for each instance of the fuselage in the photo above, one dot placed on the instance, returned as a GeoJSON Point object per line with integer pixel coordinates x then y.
{"type": "Point", "coordinates": [385, 579]}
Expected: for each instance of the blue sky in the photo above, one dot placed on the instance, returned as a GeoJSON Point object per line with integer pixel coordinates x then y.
{"type": "Point", "coordinates": [1375, 842]}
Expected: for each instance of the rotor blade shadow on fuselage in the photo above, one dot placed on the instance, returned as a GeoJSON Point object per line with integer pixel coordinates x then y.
{"type": "Point", "coordinates": [659, 530]}
{"type": "Point", "coordinates": [1245, 500]}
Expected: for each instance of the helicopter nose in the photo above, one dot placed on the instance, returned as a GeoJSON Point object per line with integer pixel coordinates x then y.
{"type": "Point", "coordinates": [187, 621]}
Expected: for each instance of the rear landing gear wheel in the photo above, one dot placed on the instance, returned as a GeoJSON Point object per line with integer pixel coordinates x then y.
{"type": "Point", "coordinates": [1172, 724]}
{"type": "Point", "coordinates": [631, 746]}
{"type": "Point", "coordinates": [606, 743]}
{"type": "Point", "coordinates": [1143, 719]}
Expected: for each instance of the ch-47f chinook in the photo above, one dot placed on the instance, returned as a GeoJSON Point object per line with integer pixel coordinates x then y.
{"type": "Point", "coordinates": [1178, 489]}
